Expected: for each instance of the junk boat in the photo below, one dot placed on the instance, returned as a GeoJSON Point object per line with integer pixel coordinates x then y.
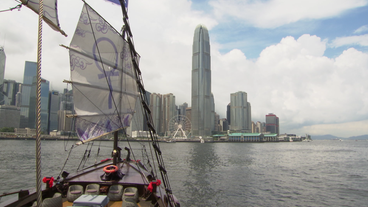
{"type": "Point", "coordinates": [107, 83]}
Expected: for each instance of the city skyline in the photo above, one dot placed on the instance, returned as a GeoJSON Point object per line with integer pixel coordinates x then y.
{"type": "Point", "coordinates": [308, 67]}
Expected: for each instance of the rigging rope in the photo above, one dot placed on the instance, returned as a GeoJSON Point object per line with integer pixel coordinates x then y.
{"type": "Point", "coordinates": [66, 160]}
{"type": "Point", "coordinates": [89, 153]}
{"type": "Point", "coordinates": [147, 112]}
{"type": "Point", "coordinates": [38, 103]}
{"type": "Point", "coordinates": [98, 151]}
{"type": "Point", "coordinates": [84, 156]}
{"type": "Point", "coordinates": [108, 81]}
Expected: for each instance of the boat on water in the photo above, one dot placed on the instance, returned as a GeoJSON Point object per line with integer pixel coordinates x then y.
{"type": "Point", "coordinates": [107, 83]}
{"type": "Point", "coordinates": [171, 141]}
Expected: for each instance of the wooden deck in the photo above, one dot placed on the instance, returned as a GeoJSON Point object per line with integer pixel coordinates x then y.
{"type": "Point", "coordinates": [142, 203]}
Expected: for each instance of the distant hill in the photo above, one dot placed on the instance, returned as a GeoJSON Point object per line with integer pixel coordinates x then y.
{"type": "Point", "coordinates": [361, 137]}
{"type": "Point", "coordinates": [329, 137]}
{"type": "Point", "coordinates": [324, 137]}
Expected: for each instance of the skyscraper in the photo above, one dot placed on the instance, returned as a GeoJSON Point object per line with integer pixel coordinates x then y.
{"type": "Point", "coordinates": [66, 108]}
{"type": "Point", "coordinates": [139, 122]}
{"type": "Point", "coordinates": [240, 112]}
{"type": "Point", "coordinates": [272, 123]}
{"type": "Point", "coordinates": [2, 71]}
{"type": "Point", "coordinates": [213, 114]}
{"type": "Point", "coordinates": [168, 111]}
{"type": "Point", "coordinates": [9, 116]}
{"type": "Point", "coordinates": [30, 71]}
{"type": "Point", "coordinates": [201, 83]}
{"type": "Point", "coordinates": [183, 108]}
{"type": "Point", "coordinates": [10, 90]}
{"type": "Point", "coordinates": [45, 87]}
{"type": "Point", "coordinates": [67, 101]}
{"type": "Point", "coordinates": [54, 106]}
{"type": "Point", "coordinates": [228, 113]}
{"type": "Point", "coordinates": [155, 107]}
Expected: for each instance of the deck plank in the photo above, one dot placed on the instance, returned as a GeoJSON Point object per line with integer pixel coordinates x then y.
{"type": "Point", "coordinates": [110, 204]}
{"type": "Point", "coordinates": [115, 204]}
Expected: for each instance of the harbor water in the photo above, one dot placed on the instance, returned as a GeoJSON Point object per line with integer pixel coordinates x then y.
{"type": "Point", "coordinates": [317, 173]}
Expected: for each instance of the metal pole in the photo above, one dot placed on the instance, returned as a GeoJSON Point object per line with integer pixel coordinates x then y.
{"type": "Point", "coordinates": [38, 111]}
{"type": "Point", "coordinates": [116, 150]}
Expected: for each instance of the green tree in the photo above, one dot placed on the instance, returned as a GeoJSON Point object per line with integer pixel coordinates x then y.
{"type": "Point", "coordinates": [7, 129]}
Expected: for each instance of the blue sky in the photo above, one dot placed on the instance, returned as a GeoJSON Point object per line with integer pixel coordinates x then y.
{"type": "Point", "coordinates": [304, 60]}
{"type": "Point", "coordinates": [234, 32]}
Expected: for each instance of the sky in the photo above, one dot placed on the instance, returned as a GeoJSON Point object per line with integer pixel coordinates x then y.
{"type": "Point", "coordinates": [304, 60]}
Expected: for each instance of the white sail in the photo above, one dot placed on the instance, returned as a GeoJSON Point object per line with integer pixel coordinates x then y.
{"type": "Point", "coordinates": [104, 86]}
{"type": "Point", "coordinates": [50, 12]}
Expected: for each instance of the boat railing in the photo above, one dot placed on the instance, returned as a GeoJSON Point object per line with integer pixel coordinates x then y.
{"type": "Point", "coordinates": [21, 194]}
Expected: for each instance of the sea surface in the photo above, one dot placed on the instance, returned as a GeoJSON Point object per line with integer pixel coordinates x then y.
{"type": "Point", "coordinates": [317, 173]}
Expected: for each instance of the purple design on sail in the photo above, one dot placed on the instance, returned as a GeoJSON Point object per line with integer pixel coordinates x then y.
{"type": "Point", "coordinates": [49, 12]}
{"type": "Point", "coordinates": [78, 62]}
{"type": "Point", "coordinates": [101, 70]}
{"type": "Point", "coordinates": [105, 73]}
{"type": "Point", "coordinates": [81, 32]}
{"type": "Point", "coordinates": [102, 26]}
{"type": "Point", "coordinates": [126, 120]}
{"type": "Point", "coordinates": [46, 8]}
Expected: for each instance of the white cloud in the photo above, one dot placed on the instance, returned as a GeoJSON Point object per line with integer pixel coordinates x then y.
{"type": "Point", "coordinates": [292, 78]}
{"type": "Point", "coordinates": [296, 82]}
{"type": "Point", "coordinates": [275, 13]}
{"type": "Point", "coordinates": [361, 29]}
{"type": "Point", "coordinates": [341, 130]}
{"type": "Point", "coordinates": [361, 40]}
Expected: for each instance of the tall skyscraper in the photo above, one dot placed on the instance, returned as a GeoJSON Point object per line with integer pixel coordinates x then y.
{"type": "Point", "coordinates": [10, 90]}
{"type": "Point", "coordinates": [9, 116]}
{"type": "Point", "coordinates": [139, 122]}
{"type": "Point", "coordinates": [30, 71]}
{"type": "Point", "coordinates": [54, 106]}
{"type": "Point", "coordinates": [217, 123]}
{"type": "Point", "coordinates": [213, 114]}
{"type": "Point", "coordinates": [272, 123]}
{"type": "Point", "coordinates": [45, 88]}
{"type": "Point", "coordinates": [228, 113]}
{"type": "Point", "coordinates": [66, 108]}
{"type": "Point", "coordinates": [155, 107]}
{"type": "Point", "coordinates": [168, 111]}
{"type": "Point", "coordinates": [188, 113]}
{"type": "Point", "coordinates": [224, 125]}
{"type": "Point", "coordinates": [183, 108]}
{"type": "Point", "coordinates": [65, 123]}
{"type": "Point", "coordinates": [67, 101]}
{"type": "Point", "coordinates": [240, 112]}
{"type": "Point", "coordinates": [260, 127]}
{"type": "Point", "coordinates": [201, 83]}
{"type": "Point", "coordinates": [2, 71]}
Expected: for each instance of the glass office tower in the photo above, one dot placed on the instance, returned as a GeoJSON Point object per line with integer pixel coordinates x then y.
{"type": "Point", "coordinates": [30, 71]}
{"type": "Point", "coordinates": [240, 112]}
{"type": "Point", "coordinates": [54, 106]}
{"type": "Point", "coordinates": [2, 71]}
{"type": "Point", "coordinates": [201, 83]}
{"type": "Point", "coordinates": [45, 86]}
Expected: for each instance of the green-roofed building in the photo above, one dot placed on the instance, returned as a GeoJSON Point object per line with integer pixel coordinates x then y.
{"type": "Point", "coordinates": [252, 137]}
